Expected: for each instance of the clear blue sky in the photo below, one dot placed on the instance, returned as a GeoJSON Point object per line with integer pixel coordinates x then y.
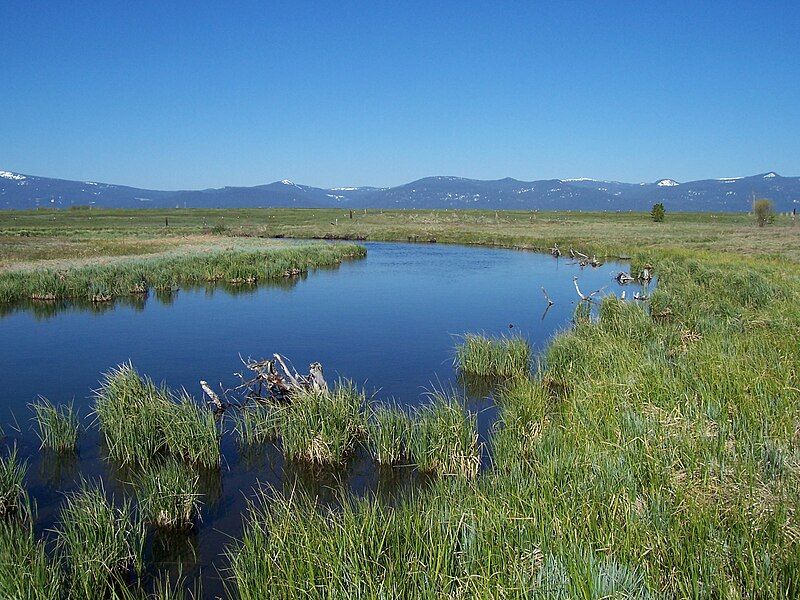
{"type": "Point", "coordinates": [374, 93]}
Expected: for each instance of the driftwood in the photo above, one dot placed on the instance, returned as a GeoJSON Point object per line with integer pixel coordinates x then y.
{"type": "Point", "coordinates": [622, 278]}
{"type": "Point", "coordinates": [586, 297]}
{"type": "Point", "coordinates": [555, 251]}
{"type": "Point", "coordinates": [646, 275]}
{"type": "Point", "coordinates": [583, 259]}
{"type": "Point", "coordinates": [546, 297]}
{"type": "Point", "coordinates": [218, 405]}
{"type": "Point", "coordinates": [275, 380]}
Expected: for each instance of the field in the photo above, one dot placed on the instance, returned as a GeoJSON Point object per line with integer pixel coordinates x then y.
{"type": "Point", "coordinates": [654, 453]}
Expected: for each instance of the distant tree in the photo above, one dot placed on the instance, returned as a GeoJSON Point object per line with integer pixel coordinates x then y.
{"type": "Point", "coordinates": [657, 212]}
{"type": "Point", "coordinates": [764, 211]}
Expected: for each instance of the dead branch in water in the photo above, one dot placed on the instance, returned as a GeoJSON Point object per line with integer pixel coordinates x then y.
{"type": "Point", "coordinates": [275, 380]}
{"type": "Point", "coordinates": [218, 405]}
{"type": "Point", "coordinates": [586, 297]}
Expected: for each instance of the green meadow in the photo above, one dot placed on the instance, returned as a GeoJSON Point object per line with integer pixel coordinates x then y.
{"type": "Point", "coordinates": [651, 452]}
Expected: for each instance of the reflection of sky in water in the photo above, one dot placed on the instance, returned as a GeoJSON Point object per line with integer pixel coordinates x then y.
{"type": "Point", "coordinates": [389, 323]}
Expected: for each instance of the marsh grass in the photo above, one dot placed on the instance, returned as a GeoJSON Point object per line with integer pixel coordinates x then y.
{"type": "Point", "coordinates": [101, 541]}
{"type": "Point", "coordinates": [389, 429]}
{"type": "Point", "coordinates": [57, 427]}
{"type": "Point", "coordinates": [443, 438]}
{"type": "Point", "coordinates": [321, 428]}
{"type": "Point", "coordinates": [102, 282]}
{"type": "Point", "coordinates": [168, 495]}
{"type": "Point", "coordinates": [493, 357]}
{"type": "Point", "coordinates": [26, 572]}
{"type": "Point", "coordinates": [141, 421]}
{"type": "Point", "coordinates": [257, 424]}
{"type": "Point", "coordinates": [13, 497]}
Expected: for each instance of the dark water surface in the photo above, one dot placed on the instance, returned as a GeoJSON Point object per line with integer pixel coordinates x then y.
{"type": "Point", "coordinates": [389, 322]}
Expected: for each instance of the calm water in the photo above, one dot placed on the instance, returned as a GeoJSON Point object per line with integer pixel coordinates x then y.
{"type": "Point", "coordinates": [389, 322]}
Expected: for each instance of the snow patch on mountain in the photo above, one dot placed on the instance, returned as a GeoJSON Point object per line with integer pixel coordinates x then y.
{"type": "Point", "coordinates": [770, 175]}
{"type": "Point", "coordinates": [10, 175]}
{"type": "Point", "coordinates": [667, 183]}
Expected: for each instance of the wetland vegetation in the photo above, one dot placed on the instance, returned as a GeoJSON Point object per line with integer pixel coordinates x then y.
{"type": "Point", "coordinates": [651, 451]}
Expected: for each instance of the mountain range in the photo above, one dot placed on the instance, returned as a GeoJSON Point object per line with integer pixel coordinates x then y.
{"type": "Point", "coordinates": [731, 194]}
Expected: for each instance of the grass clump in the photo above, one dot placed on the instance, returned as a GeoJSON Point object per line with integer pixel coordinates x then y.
{"type": "Point", "coordinates": [141, 421]}
{"type": "Point", "coordinates": [101, 542]}
{"type": "Point", "coordinates": [257, 424]}
{"type": "Point", "coordinates": [444, 439]}
{"type": "Point", "coordinates": [493, 357]}
{"type": "Point", "coordinates": [57, 427]}
{"type": "Point", "coordinates": [25, 571]}
{"type": "Point", "coordinates": [321, 428]}
{"type": "Point", "coordinates": [388, 433]}
{"type": "Point", "coordinates": [12, 492]}
{"type": "Point", "coordinates": [168, 495]}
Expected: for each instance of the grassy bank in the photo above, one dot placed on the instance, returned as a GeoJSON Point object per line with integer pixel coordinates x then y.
{"type": "Point", "coordinates": [104, 281]}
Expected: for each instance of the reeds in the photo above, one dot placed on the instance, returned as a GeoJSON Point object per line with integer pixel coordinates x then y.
{"type": "Point", "coordinates": [56, 427]}
{"type": "Point", "coordinates": [134, 276]}
{"type": "Point", "coordinates": [443, 438]}
{"type": "Point", "coordinates": [258, 424]}
{"type": "Point", "coordinates": [321, 428]}
{"type": "Point", "coordinates": [25, 570]}
{"type": "Point", "coordinates": [388, 433]}
{"type": "Point", "coordinates": [12, 491]}
{"type": "Point", "coordinates": [102, 543]}
{"type": "Point", "coordinates": [141, 421]}
{"type": "Point", "coordinates": [493, 357]}
{"type": "Point", "coordinates": [169, 495]}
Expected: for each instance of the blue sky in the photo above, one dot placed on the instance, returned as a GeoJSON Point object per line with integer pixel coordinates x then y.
{"type": "Point", "coordinates": [331, 94]}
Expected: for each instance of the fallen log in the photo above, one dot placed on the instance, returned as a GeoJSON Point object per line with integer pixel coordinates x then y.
{"type": "Point", "coordinates": [275, 380]}
{"type": "Point", "coordinates": [218, 405]}
{"type": "Point", "coordinates": [586, 297]}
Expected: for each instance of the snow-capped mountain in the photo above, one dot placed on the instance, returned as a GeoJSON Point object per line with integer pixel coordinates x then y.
{"type": "Point", "coordinates": [21, 191]}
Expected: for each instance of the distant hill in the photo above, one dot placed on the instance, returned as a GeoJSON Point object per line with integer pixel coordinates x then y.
{"type": "Point", "coordinates": [19, 191]}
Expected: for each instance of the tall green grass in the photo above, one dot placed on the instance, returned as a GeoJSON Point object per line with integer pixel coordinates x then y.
{"type": "Point", "coordinates": [258, 424]}
{"type": "Point", "coordinates": [12, 491]}
{"type": "Point", "coordinates": [498, 357]}
{"type": "Point", "coordinates": [131, 277]}
{"type": "Point", "coordinates": [388, 433]}
{"type": "Point", "coordinates": [25, 570]}
{"type": "Point", "coordinates": [57, 427]}
{"type": "Point", "coordinates": [443, 438]}
{"type": "Point", "coordinates": [101, 541]}
{"type": "Point", "coordinates": [169, 495]}
{"type": "Point", "coordinates": [322, 428]}
{"type": "Point", "coordinates": [141, 421]}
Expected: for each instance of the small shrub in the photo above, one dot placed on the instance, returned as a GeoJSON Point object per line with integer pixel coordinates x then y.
{"type": "Point", "coordinates": [657, 213]}
{"type": "Point", "coordinates": [764, 211]}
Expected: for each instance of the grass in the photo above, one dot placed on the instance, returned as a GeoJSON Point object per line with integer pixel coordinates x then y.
{"type": "Point", "coordinates": [12, 491]}
{"type": "Point", "coordinates": [388, 433]}
{"type": "Point", "coordinates": [141, 421]}
{"type": "Point", "coordinates": [57, 427]}
{"type": "Point", "coordinates": [322, 428]}
{"type": "Point", "coordinates": [102, 543]}
{"type": "Point", "coordinates": [443, 438]}
{"type": "Point", "coordinates": [131, 277]}
{"type": "Point", "coordinates": [168, 495]}
{"type": "Point", "coordinates": [257, 424]}
{"type": "Point", "coordinates": [654, 453]}
{"type": "Point", "coordinates": [498, 357]}
{"type": "Point", "coordinates": [25, 570]}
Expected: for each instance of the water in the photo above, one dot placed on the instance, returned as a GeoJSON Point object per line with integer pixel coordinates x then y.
{"type": "Point", "coordinates": [389, 322]}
